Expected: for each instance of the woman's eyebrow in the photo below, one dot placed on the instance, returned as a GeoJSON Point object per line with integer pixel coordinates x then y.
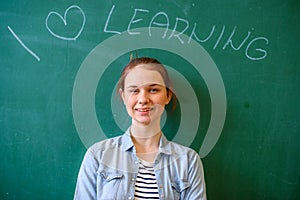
{"type": "Point", "coordinates": [155, 84]}
{"type": "Point", "coordinates": [148, 85]}
{"type": "Point", "coordinates": [132, 86]}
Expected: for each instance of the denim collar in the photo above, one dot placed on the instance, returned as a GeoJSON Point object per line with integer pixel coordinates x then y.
{"type": "Point", "coordinates": [128, 145]}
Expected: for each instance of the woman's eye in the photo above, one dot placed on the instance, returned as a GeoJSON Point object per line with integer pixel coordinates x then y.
{"type": "Point", "coordinates": [134, 91]}
{"type": "Point", "coordinates": [154, 90]}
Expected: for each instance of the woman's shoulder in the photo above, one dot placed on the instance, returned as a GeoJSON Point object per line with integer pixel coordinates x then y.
{"type": "Point", "coordinates": [177, 150]}
{"type": "Point", "coordinates": [105, 144]}
{"type": "Point", "coordinates": [181, 149]}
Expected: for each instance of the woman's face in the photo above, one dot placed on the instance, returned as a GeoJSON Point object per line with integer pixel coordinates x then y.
{"type": "Point", "coordinates": [144, 95]}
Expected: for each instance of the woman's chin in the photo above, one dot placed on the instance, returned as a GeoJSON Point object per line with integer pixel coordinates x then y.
{"type": "Point", "coordinates": [144, 122]}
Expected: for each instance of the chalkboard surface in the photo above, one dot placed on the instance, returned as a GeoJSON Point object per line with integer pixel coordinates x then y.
{"type": "Point", "coordinates": [235, 66]}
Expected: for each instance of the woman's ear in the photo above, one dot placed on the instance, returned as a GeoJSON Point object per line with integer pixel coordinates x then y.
{"type": "Point", "coordinates": [122, 95]}
{"type": "Point", "coordinates": [169, 96]}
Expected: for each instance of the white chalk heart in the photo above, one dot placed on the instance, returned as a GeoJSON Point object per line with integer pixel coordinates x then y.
{"type": "Point", "coordinates": [64, 19]}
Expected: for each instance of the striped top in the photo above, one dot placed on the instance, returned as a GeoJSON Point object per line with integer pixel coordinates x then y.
{"type": "Point", "coordinates": [146, 185]}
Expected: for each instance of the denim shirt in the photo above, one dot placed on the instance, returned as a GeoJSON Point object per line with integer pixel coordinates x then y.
{"type": "Point", "coordinates": [109, 170]}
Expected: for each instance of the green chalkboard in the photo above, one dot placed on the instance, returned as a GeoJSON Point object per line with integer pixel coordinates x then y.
{"type": "Point", "coordinates": [235, 67]}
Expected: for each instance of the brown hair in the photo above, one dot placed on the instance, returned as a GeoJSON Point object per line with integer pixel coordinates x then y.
{"type": "Point", "coordinates": [158, 67]}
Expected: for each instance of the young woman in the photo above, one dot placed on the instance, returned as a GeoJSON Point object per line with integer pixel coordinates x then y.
{"type": "Point", "coordinates": [142, 163]}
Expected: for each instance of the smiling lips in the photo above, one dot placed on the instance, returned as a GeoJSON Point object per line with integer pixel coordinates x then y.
{"type": "Point", "coordinates": [143, 110]}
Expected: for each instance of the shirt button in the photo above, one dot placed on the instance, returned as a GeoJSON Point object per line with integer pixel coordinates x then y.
{"type": "Point", "coordinates": [129, 198]}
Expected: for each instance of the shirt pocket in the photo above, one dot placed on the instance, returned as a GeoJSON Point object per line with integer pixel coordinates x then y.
{"type": "Point", "coordinates": [108, 184]}
{"type": "Point", "coordinates": [110, 175]}
{"type": "Point", "coordinates": [179, 188]}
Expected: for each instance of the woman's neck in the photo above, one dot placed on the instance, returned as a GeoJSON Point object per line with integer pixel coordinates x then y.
{"type": "Point", "coordinates": [145, 132]}
{"type": "Point", "coordinates": [146, 140]}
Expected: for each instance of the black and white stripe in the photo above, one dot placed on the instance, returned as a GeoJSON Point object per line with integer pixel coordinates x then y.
{"type": "Point", "coordinates": [146, 185]}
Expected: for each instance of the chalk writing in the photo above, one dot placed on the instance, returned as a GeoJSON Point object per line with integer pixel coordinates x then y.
{"type": "Point", "coordinates": [133, 21]}
{"type": "Point", "coordinates": [23, 45]}
{"type": "Point", "coordinates": [160, 24]}
{"type": "Point", "coordinates": [263, 51]}
{"type": "Point", "coordinates": [64, 19]}
{"type": "Point", "coordinates": [181, 32]}
{"type": "Point", "coordinates": [161, 19]}
{"type": "Point", "coordinates": [219, 38]}
{"type": "Point", "coordinates": [106, 24]}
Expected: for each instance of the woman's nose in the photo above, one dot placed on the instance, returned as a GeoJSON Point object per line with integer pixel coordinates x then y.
{"type": "Point", "coordinates": [143, 98]}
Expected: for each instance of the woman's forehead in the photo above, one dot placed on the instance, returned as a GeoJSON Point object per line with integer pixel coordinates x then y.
{"type": "Point", "coordinates": [140, 76]}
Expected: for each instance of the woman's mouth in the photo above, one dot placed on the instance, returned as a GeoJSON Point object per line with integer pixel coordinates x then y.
{"type": "Point", "coordinates": [143, 110]}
